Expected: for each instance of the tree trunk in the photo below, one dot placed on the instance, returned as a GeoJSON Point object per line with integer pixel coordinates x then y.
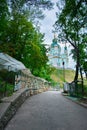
{"type": "Point", "coordinates": [77, 72]}
{"type": "Point", "coordinates": [77, 66]}
{"type": "Point", "coordinates": [82, 81]}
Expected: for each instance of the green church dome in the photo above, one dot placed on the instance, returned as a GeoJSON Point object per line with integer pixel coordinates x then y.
{"type": "Point", "coordinates": [58, 54]}
{"type": "Point", "coordinates": [54, 43]}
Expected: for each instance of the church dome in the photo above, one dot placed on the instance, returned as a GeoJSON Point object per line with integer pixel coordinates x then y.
{"type": "Point", "coordinates": [56, 56]}
{"type": "Point", "coordinates": [54, 43]}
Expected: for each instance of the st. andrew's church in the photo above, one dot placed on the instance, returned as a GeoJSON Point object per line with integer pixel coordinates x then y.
{"type": "Point", "coordinates": [58, 54]}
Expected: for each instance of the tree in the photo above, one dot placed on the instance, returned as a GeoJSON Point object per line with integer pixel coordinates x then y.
{"type": "Point", "coordinates": [72, 22]}
{"type": "Point", "coordinates": [23, 39]}
{"type": "Point", "coordinates": [35, 54]}
{"type": "Point", "coordinates": [4, 15]}
{"type": "Point", "coordinates": [85, 68]}
{"type": "Point", "coordinates": [82, 57]}
{"type": "Point", "coordinates": [18, 11]}
{"type": "Point", "coordinates": [32, 9]}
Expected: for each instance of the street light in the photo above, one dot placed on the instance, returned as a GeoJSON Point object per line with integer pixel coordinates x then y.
{"type": "Point", "coordinates": [63, 63]}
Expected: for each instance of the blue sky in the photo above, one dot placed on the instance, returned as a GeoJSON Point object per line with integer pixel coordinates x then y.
{"type": "Point", "coordinates": [47, 27]}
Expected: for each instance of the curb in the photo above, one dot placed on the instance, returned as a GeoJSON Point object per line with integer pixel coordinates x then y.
{"type": "Point", "coordinates": [77, 101]}
{"type": "Point", "coordinates": [11, 104]}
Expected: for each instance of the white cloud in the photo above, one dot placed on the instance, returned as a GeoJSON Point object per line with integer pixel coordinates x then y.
{"type": "Point", "coordinates": [47, 27]}
{"type": "Point", "coordinates": [47, 23]}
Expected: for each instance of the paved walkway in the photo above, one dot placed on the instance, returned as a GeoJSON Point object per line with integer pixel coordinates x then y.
{"type": "Point", "coordinates": [49, 111]}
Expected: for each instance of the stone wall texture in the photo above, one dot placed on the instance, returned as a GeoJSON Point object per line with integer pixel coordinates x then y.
{"type": "Point", "coordinates": [30, 85]}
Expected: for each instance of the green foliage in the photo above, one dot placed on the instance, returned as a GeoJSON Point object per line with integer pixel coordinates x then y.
{"type": "Point", "coordinates": [6, 83]}
{"type": "Point", "coordinates": [85, 85]}
{"type": "Point", "coordinates": [55, 84]}
{"type": "Point", "coordinates": [72, 23]}
{"type": "Point", "coordinates": [44, 72]}
{"type": "Point", "coordinates": [82, 56]}
{"type": "Point", "coordinates": [3, 20]}
{"type": "Point", "coordinates": [19, 37]}
{"type": "Point", "coordinates": [32, 9]}
{"type": "Point", "coordinates": [6, 88]}
{"type": "Point", "coordinates": [85, 68]}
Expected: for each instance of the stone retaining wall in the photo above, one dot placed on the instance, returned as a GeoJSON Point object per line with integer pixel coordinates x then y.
{"type": "Point", "coordinates": [30, 85]}
{"type": "Point", "coordinates": [29, 80]}
{"type": "Point", "coordinates": [9, 106]}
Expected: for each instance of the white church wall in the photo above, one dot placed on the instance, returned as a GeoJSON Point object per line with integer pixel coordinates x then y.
{"type": "Point", "coordinates": [57, 55]}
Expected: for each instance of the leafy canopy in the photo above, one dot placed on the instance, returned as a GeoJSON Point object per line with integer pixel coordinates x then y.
{"type": "Point", "coordinates": [19, 35]}
{"type": "Point", "coordinates": [71, 25]}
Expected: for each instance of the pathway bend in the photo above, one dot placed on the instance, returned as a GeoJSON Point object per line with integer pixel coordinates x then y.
{"type": "Point", "coordinates": [49, 111]}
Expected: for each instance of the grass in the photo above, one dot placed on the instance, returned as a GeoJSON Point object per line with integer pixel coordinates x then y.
{"type": "Point", "coordinates": [85, 87]}
{"type": "Point", "coordinates": [58, 76]}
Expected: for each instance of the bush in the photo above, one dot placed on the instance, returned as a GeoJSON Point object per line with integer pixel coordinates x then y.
{"type": "Point", "coordinates": [6, 89]}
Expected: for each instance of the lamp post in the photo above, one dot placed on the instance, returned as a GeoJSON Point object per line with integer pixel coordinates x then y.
{"type": "Point", "coordinates": [63, 63]}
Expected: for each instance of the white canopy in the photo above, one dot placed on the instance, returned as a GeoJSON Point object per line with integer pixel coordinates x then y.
{"type": "Point", "coordinates": [10, 64]}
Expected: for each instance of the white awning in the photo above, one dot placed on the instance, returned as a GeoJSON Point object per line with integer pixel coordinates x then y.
{"type": "Point", "coordinates": [9, 63]}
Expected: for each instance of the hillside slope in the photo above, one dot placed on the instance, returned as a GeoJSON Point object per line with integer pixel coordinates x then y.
{"type": "Point", "coordinates": [58, 75]}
